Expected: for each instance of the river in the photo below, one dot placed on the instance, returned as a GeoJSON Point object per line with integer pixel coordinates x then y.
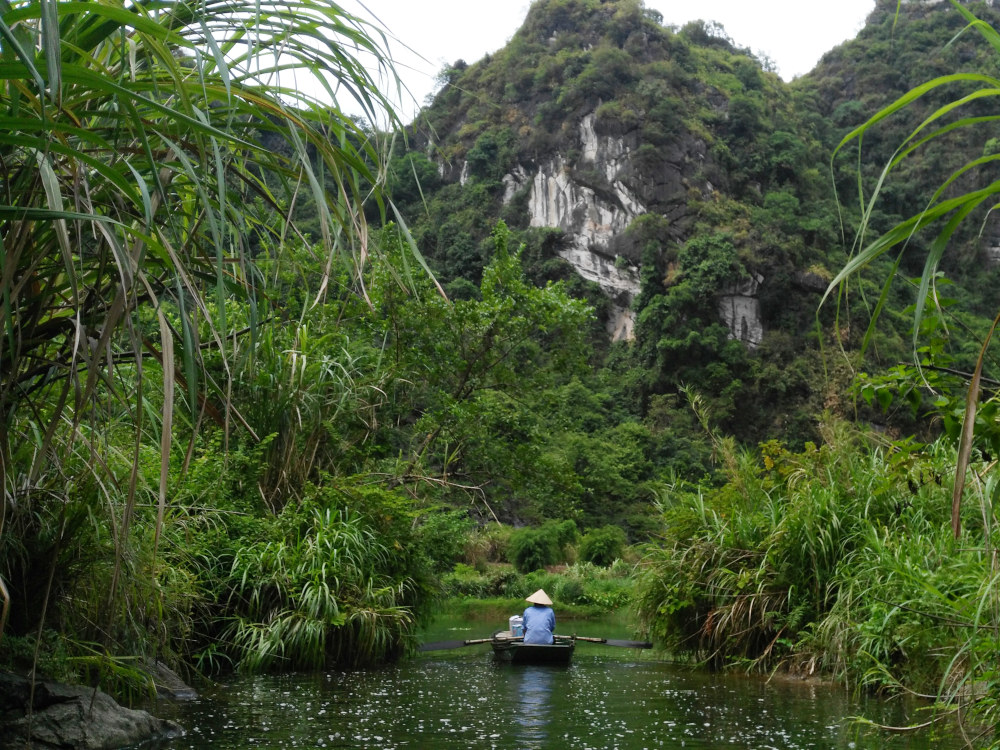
{"type": "Point", "coordinates": [607, 698]}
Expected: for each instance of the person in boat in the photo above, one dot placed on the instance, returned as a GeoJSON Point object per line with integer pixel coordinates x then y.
{"type": "Point", "coordinates": [539, 619]}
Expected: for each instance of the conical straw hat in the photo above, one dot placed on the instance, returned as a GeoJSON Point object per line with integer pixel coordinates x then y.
{"type": "Point", "coordinates": [539, 597]}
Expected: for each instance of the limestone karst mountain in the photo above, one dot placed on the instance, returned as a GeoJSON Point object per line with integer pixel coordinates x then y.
{"type": "Point", "coordinates": [680, 185]}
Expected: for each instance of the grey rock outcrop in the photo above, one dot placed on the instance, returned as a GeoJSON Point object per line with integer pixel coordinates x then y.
{"type": "Point", "coordinates": [592, 194]}
{"type": "Point", "coordinates": [991, 246]}
{"type": "Point", "coordinates": [70, 717]}
{"type": "Point", "coordinates": [591, 219]}
{"type": "Point", "coordinates": [167, 683]}
{"type": "Point", "coordinates": [590, 224]}
{"type": "Point", "coordinates": [739, 307]}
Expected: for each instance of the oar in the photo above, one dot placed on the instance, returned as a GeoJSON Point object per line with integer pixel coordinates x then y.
{"type": "Point", "coordinates": [442, 645]}
{"type": "Point", "coordinates": [609, 641]}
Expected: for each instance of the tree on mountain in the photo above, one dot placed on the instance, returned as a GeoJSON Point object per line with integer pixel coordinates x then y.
{"type": "Point", "coordinates": [477, 366]}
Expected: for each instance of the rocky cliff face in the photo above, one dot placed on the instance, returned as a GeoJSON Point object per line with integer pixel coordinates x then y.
{"type": "Point", "coordinates": [739, 307]}
{"type": "Point", "coordinates": [591, 222]}
{"type": "Point", "coordinates": [592, 190]}
{"type": "Point", "coordinates": [595, 115]}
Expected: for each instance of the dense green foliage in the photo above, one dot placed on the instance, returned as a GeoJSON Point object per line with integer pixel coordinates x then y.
{"type": "Point", "coordinates": [536, 548]}
{"type": "Point", "coordinates": [768, 565]}
{"type": "Point", "coordinates": [728, 163]}
{"type": "Point", "coordinates": [841, 558]}
{"type": "Point", "coordinates": [756, 206]}
{"type": "Point", "coordinates": [835, 560]}
{"type": "Point", "coordinates": [151, 161]}
{"type": "Point", "coordinates": [602, 546]}
{"type": "Point", "coordinates": [579, 590]}
{"type": "Point", "coordinates": [354, 441]}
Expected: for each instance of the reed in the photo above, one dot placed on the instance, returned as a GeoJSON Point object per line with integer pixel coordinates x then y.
{"type": "Point", "coordinates": [780, 565]}
{"type": "Point", "coordinates": [148, 155]}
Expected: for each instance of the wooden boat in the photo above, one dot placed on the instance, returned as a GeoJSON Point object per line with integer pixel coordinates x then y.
{"type": "Point", "coordinates": [512, 649]}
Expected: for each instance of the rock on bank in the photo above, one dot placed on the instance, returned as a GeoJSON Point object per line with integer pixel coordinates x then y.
{"type": "Point", "coordinates": [65, 717]}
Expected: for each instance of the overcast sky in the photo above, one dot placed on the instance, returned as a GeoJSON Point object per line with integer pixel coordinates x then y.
{"type": "Point", "coordinates": [430, 34]}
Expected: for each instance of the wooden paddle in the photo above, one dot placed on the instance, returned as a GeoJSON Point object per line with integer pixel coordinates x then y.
{"type": "Point", "coordinates": [609, 641]}
{"type": "Point", "coordinates": [443, 645]}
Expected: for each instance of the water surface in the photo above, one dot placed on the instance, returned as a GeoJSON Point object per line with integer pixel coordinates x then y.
{"type": "Point", "coordinates": [608, 698]}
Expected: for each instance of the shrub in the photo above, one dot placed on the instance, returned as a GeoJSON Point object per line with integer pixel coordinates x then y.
{"type": "Point", "coordinates": [565, 532]}
{"type": "Point", "coordinates": [532, 549]}
{"type": "Point", "coordinates": [552, 542]}
{"type": "Point", "coordinates": [465, 581]}
{"type": "Point", "coordinates": [444, 536]}
{"type": "Point", "coordinates": [570, 591]}
{"type": "Point", "coordinates": [487, 544]}
{"type": "Point", "coordinates": [539, 579]}
{"type": "Point", "coordinates": [602, 546]}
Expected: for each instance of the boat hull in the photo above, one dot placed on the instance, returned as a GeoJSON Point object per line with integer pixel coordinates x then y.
{"type": "Point", "coordinates": [516, 652]}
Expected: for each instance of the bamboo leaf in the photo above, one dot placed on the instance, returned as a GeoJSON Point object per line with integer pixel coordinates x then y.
{"type": "Point", "coordinates": [16, 46]}
{"type": "Point", "coordinates": [51, 46]}
{"type": "Point", "coordinates": [987, 31]}
{"type": "Point", "coordinates": [53, 193]}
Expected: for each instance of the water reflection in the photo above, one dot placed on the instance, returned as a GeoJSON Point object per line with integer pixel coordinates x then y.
{"type": "Point", "coordinates": [607, 698]}
{"type": "Point", "coordinates": [534, 705]}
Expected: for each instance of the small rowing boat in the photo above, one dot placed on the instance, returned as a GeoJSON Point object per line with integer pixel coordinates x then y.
{"type": "Point", "coordinates": [512, 649]}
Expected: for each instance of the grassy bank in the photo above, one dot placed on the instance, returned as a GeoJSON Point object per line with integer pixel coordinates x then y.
{"type": "Point", "coordinates": [838, 561]}
{"type": "Point", "coordinates": [499, 609]}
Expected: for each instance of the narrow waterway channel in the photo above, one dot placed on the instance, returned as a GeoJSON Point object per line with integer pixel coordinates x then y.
{"type": "Point", "coordinates": [607, 698]}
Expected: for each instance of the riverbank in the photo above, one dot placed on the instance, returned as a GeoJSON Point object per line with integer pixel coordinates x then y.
{"type": "Point", "coordinates": [500, 608]}
{"type": "Point", "coordinates": [457, 699]}
{"type": "Point", "coordinates": [53, 715]}
{"type": "Point", "coordinates": [839, 561]}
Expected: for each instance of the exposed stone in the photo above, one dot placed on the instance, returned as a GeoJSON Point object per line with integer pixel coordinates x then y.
{"type": "Point", "coordinates": [609, 153]}
{"type": "Point", "coordinates": [594, 189]}
{"type": "Point", "coordinates": [811, 281]}
{"type": "Point", "coordinates": [590, 224]}
{"type": "Point", "coordinates": [559, 201]}
{"type": "Point", "coordinates": [991, 249]}
{"type": "Point", "coordinates": [70, 717]}
{"type": "Point", "coordinates": [739, 307]}
{"type": "Point", "coordinates": [168, 684]}
{"type": "Point", "coordinates": [512, 183]}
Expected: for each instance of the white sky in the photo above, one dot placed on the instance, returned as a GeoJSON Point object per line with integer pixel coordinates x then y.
{"type": "Point", "coordinates": [793, 34]}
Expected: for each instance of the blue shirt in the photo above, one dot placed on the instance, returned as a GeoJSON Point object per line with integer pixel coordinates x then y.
{"type": "Point", "coordinates": [539, 622]}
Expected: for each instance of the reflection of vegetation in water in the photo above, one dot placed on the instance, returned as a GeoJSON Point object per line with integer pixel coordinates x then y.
{"type": "Point", "coordinates": [606, 698]}
{"type": "Point", "coordinates": [534, 706]}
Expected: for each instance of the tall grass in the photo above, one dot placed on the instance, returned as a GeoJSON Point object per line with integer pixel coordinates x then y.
{"type": "Point", "coordinates": [935, 617]}
{"type": "Point", "coordinates": [314, 593]}
{"type": "Point", "coordinates": [838, 561]}
{"type": "Point", "coordinates": [743, 571]}
{"type": "Point", "coordinates": [968, 193]}
{"type": "Point", "coordinates": [149, 154]}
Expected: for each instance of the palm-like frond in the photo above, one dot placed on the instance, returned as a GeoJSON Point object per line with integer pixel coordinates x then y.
{"type": "Point", "coordinates": [145, 150]}
{"type": "Point", "coordinates": [947, 208]}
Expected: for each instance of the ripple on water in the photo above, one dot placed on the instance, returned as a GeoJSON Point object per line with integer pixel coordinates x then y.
{"type": "Point", "coordinates": [464, 700]}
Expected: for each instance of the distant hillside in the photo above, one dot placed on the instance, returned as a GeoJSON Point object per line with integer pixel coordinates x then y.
{"type": "Point", "coordinates": [687, 193]}
{"type": "Point", "coordinates": [890, 56]}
